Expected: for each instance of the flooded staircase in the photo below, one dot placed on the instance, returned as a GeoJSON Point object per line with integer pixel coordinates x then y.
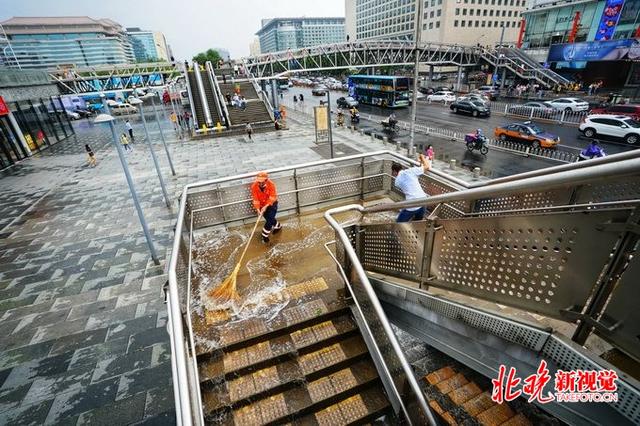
{"type": "Point", "coordinates": [311, 367]}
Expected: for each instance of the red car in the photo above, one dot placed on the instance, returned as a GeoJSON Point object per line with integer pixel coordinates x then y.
{"type": "Point", "coordinates": [628, 110]}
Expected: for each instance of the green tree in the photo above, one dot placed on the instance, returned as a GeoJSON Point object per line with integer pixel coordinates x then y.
{"type": "Point", "coordinates": [210, 55]}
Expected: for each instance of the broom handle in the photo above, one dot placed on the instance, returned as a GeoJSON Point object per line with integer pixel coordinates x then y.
{"type": "Point", "coordinates": [250, 238]}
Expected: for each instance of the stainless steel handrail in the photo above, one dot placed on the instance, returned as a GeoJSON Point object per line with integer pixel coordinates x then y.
{"type": "Point", "coordinates": [192, 105]}
{"type": "Point", "coordinates": [578, 176]}
{"type": "Point", "coordinates": [375, 303]}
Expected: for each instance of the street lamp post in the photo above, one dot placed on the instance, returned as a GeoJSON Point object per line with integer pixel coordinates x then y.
{"type": "Point", "coordinates": [164, 142]}
{"type": "Point", "coordinates": [330, 134]}
{"type": "Point", "coordinates": [106, 118]}
{"type": "Point", "coordinates": [414, 104]}
{"type": "Point", "coordinates": [179, 131]}
{"type": "Point", "coordinates": [137, 102]}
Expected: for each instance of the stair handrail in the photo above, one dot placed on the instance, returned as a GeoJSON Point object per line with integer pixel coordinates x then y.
{"type": "Point", "coordinates": [205, 106]}
{"type": "Point", "coordinates": [192, 105]}
{"type": "Point", "coordinates": [414, 387]}
{"type": "Point", "coordinates": [221, 106]}
{"type": "Point", "coordinates": [258, 90]}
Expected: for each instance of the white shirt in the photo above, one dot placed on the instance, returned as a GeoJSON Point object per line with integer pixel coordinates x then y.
{"type": "Point", "coordinates": [128, 126]}
{"type": "Point", "coordinates": [407, 182]}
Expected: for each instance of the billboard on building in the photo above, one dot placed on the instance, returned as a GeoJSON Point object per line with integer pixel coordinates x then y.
{"type": "Point", "coordinates": [609, 19]}
{"type": "Point", "coordinates": [610, 50]}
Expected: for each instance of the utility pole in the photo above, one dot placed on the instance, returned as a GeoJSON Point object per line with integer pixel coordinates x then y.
{"type": "Point", "coordinates": [414, 101]}
{"type": "Point", "coordinates": [329, 123]}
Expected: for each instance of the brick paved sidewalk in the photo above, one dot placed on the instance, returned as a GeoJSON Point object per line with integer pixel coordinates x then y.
{"type": "Point", "coordinates": [82, 330]}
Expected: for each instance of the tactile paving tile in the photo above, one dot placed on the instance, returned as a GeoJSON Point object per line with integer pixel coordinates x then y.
{"type": "Point", "coordinates": [304, 312]}
{"type": "Point", "coordinates": [330, 416]}
{"type": "Point", "coordinates": [241, 388]}
{"type": "Point", "coordinates": [253, 328]}
{"type": "Point", "coordinates": [495, 415]}
{"type": "Point", "coordinates": [217, 317]}
{"type": "Point", "coordinates": [249, 415]}
{"type": "Point", "coordinates": [463, 394]}
{"type": "Point", "coordinates": [321, 359]}
{"type": "Point", "coordinates": [266, 379]}
{"type": "Point", "coordinates": [452, 383]}
{"type": "Point", "coordinates": [313, 286]}
{"type": "Point", "coordinates": [273, 408]}
{"type": "Point", "coordinates": [320, 389]}
{"type": "Point", "coordinates": [324, 330]}
{"type": "Point", "coordinates": [259, 352]}
{"type": "Point", "coordinates": [343, 380]}
{"type": "Point", "coordinates": [229, 335]}
{"type": "Point", "coordinates": [304, 337]}
{"type": "Point", "coordinates": [440, 375]}
{"type": "Point", "coordinates": [235, 360]}
{"type": "Point", "coordinates": [353, 408]}
{"type": "Point", "coordinates": [478, 404]}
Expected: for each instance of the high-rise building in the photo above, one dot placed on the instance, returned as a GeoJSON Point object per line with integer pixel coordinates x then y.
{"type": "Point", "coordinates": [148, 45]}
{"type": "Point", "coordinates": [49, 42]}
{"type": "Point", "coordinates": [291, 33]}
{"type": "Point", "coordinates": [452, 21]}
{"type": "Point", "coordinates": [254, 47]}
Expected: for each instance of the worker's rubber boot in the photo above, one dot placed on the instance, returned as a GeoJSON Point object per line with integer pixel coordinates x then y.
{"type": "Point", "coordinates": [277, 228]}
{"type": "Point", "coordinates": [265, 240]}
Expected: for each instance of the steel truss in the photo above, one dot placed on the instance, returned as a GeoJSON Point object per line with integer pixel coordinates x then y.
{"type": "Point", "coordinates": [113, 77]}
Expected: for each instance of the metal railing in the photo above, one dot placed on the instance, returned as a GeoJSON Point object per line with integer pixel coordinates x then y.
{"type": "Point", "coordinates": [215, 90]}
{"type": "Point", "coordinates": [205, 106]}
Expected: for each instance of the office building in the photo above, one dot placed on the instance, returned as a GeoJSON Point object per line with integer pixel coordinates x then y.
{"type": "Point", "coordinates": [148, 46]}
{"type": "Point", "coordinates": [279, 34]}
{"type": "Point", "coordinates": [52, 42]}
{"type": "Point", "coordinates": [465, 22]}
{"type": "Point", "coordinates": [254, 47]}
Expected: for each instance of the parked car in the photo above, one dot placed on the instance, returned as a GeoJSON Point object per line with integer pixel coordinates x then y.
{"type": "Point", "coordinates": [528, 133]}
{"type": "Point", "coordinates": [474, 97]}
{"type": "Point", "coordinates": [540, 109]}
{"type": "Point", "coordinates": [629, 110]}
{"type": "Point", "coordinates": [71, 115]}
{"type": "Point", "coordinates": [82, 112]}
{"type": "Point", "coordinates": [619, 127]}
{"type": "Point", "coordinates": [123, 108]}
{"type": "Point", "coordinates": [492, 92]}
{"type": "Point", "coordinates": [441, 96]}
{"type": "Point", "coordinates": [346, 102]}
{"type": "Point", "coordinates": [569, 104]}
{"type": "Point", "coordinates": [319, 90]}
{"type": "Point", "coordinates": [475, 108]}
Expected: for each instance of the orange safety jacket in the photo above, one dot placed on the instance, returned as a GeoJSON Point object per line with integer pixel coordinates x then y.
{"type": "Point", "coordinates": [265, 197]}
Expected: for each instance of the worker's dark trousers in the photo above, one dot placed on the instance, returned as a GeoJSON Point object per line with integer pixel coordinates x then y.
{"type": "Point", "coordinates": [271, 221]}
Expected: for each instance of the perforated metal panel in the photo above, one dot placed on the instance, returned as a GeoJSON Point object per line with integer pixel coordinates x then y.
{"type": "Point", "coordinates": [610, 190]}
{"type": "Point", "coordinates": [350, 173]}
{"type": "Point", "coordinates": [199, 200]}
{"type": "Point", "coordinates": [394, 248]}
{"type": "Point", "coordinates": [527, 200]}
{"type": "Point", "coordinates": [568, 357]}
{"type": "Point", "coordinates": [542, 263]}
{"type": "Point", "coordinates": [622, 312]}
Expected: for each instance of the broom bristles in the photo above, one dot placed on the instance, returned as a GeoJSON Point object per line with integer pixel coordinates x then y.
{"type": "Point", "coordinates": [227, 290]}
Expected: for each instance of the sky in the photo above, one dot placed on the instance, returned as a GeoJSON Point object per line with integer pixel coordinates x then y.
{"type": "Point", "coordinates": [190, 26]}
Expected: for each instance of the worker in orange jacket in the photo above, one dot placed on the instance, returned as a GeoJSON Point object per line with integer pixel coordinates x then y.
{"type": "Point", "coordinates": [265, 201]}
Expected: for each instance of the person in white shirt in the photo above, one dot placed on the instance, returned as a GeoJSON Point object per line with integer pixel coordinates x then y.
{"type": "Point", "coordinates": [407, 181]}
{"type": "Point", "coordinates": [129, 128]}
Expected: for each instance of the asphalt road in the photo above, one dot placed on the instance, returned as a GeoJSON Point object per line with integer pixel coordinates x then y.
{"type": "Point", "coordinates": [437, 115]}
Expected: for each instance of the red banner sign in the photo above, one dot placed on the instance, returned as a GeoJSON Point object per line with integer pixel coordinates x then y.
{"type": "Point", "coordinates": [4, 109]}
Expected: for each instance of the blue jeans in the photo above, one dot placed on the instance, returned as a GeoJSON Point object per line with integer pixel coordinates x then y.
{"type": "Point", "coordinates": [408, 215]}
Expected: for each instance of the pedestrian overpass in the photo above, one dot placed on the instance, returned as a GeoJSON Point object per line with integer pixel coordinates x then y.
{"type": "Point", "coordinates": [371, 54]}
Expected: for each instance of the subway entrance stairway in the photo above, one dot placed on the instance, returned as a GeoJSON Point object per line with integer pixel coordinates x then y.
{"type": "Point", "coordinates": [347, 317]}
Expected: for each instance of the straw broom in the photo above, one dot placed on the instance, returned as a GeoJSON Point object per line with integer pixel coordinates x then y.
{"type": "Point", "coordinates": [227, 290]}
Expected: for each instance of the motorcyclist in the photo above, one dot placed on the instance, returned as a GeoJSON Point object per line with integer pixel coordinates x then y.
{"type": "Point", "coordinates": [592, 151]}
{"type": "Point", "coordinates": [355, 117]}
{"type": "Point", "coordinates": [392, 120]}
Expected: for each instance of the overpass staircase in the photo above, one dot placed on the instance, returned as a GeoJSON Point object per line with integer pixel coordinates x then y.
{"type": "Point", "coordinates": [257, 110]}
{"type": "Point", "coordinates": [535, 267]}
{"type": "Point", "coordinates": [522, 65]}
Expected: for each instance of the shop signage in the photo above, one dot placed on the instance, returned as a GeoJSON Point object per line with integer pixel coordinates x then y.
{"type": "Point", "coordinates": [609, 19]}
{"type": "Point", "coordinates": [4, 109]}
{"type": "Point", "coordinates": [321, 123]}
{"type": "Point", "coordinates": [610, 50]}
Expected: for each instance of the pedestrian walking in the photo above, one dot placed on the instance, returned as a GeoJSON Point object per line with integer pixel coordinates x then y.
{"type": "Point", "coordinates": [249, 130]}
{"type": "Point", "coordinates": [265, 201]}
{"type": "Point", "coordinates": [129, 128]}
{"type": "Point", "coordinates": [301, 97]}
{"type": "Point", "coordinates": [187, 118]}
{"type": "Point", "coordinates": [224, 79]}
{"type": "Point", "coordinates": [125, 142]}
{"type": "Point", "coordinates": [174, 119]}
{"type": "Point", "coordinates": [228, 97]}
{"type": "Point", "coordinates": [92, 157]}
{"type": "Point", "coordinates": [429, 152]}
{"type": "Point", "coordinates": [407, 181]}
{"type": "Point", "coordinates": [295, 99]}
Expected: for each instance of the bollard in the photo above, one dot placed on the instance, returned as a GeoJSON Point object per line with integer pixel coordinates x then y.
{"type": "Point", "coordinates": [373, 137]}
{"type": "Point", "coordinates": [361, 132]}
{"type": "Point", "coordinates": [452, 164]}
{"type": "Point", "coordinates": [385, 139]}
{"type": "Point", "coordinates": [476, 172]}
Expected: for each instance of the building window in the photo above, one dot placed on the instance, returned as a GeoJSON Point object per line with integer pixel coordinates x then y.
{"type": "Point", "coordinates": [488, 23]}
{"type": "Point", "coordinates": [455, 23]}
{"type": "Point", "coordinates": [491, 12]}
{"type": "Point", "coordinates": [437, 24]}
{"type": "Point", "coordinates": [430, 25]}
{"type": "Point", "coordinates": [464, 12]}
{"type": "Point", "coordinates": [457, 11]}
{"type": "Point", "coordinates": [439, 12]}
{"type": "Point", "coordinates": [483, 24]}
{"type": "Point", "coordinates": [462, 24]}
{"type": "Point", "coordinates": [484, 12]}
{"type": "Point", "coordinates": [477, 23]}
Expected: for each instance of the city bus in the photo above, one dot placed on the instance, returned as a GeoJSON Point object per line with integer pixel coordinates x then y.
{"type": "Point", "coordinates": [382, 90]}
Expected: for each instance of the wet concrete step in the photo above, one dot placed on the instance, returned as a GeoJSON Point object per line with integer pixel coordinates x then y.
{"type": "Point", "coordinates": [459, 401]}
{"type": "Point", "coordinates": [281, 345]}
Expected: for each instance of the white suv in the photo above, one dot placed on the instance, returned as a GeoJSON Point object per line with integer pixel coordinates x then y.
{"type": "Point", "coordinates": [614, 126]}
{"type": "Point", "coordinates": [441, 97]}
{"type": "Point", "coordinates": [569, 104]}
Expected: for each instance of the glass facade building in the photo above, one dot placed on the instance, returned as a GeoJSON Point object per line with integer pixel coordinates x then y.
{"type": "Point", "coordinates": [52, 42]}
{"type": "Point", "coordinates": [291, 33]}
{"type": "Point", "coordinates": [148, 46]}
